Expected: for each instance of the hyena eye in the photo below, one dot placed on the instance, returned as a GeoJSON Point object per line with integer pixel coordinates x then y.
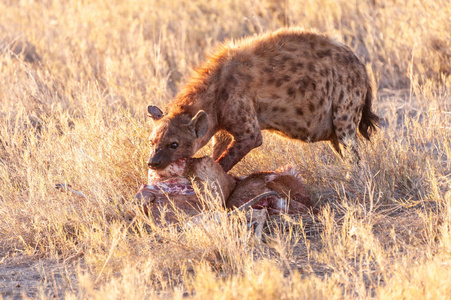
{"type": "Point", "coordinates": [174, 145]}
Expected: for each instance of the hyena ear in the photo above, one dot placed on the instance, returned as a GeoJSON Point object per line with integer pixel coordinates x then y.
{"type": "Point", "coordinates": [199, 123]}
{"type": "Point", "coordinates": [154, 112]}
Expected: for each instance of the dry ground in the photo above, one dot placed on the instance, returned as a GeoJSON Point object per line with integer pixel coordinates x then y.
{"type": "Point", "coordinates": [72, 109]}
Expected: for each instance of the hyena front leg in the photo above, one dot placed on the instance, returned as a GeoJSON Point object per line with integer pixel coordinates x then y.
{"type": "Point", "coordinates": [335, 144]}
{"type": "Point", "coordinates": [221, 142]}
{"type": "Point", "coordinates": [246, 137]}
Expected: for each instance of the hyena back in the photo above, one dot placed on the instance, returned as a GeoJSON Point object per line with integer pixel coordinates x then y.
{"type": "Point", "coordinates": [299, 84]}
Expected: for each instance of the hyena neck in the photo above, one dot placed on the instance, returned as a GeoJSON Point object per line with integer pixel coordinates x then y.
{"type": "Point", "coordinates": [190, 103]}
{"type": "Point", "coordinates": [199, 93]}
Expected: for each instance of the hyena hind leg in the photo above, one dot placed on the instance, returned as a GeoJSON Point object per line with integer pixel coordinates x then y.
{"type": "Point", "coordinates": [221, 141]}
{"type": "Point", "coordinates": [350, 142]}
{"type": "Point", "coordinates": [348, 139]}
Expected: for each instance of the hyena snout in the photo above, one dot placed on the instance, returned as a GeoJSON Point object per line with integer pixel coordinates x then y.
{"type": "Point", "coordinates": [158, 161]}
{"type": "Point", "coordinates": [153, 163]}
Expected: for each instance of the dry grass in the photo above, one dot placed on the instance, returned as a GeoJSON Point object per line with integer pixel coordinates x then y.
{"type": "Point", "coordinates": [77, 116]}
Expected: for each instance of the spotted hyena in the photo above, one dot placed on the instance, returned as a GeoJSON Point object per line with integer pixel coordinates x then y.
{"type": "Point", "coordinates": [299, 84]}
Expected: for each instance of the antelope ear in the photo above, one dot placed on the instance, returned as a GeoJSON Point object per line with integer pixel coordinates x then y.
{"type": "Point", "coordinates": [199, 123]}
{"type": "Point", "coordinates": [154, 112]}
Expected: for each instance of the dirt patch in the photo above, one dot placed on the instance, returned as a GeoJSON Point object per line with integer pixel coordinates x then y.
{"type": "Point", "coordinates": [23, 276]}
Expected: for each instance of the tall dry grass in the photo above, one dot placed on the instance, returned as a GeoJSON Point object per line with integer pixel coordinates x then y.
{"type": "Point", "coordinates": [77, 116]}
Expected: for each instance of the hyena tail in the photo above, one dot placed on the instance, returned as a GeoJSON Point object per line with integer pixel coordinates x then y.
{"type": "Point", "coordinates": [369, 120]}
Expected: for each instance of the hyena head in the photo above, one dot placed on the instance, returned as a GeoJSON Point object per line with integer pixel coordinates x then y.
{"type": "Point", "coordinates": [174, 136]}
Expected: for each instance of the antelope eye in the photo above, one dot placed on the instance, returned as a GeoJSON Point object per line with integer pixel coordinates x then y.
{"type": "Point", "coordinates": [174, 145]}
